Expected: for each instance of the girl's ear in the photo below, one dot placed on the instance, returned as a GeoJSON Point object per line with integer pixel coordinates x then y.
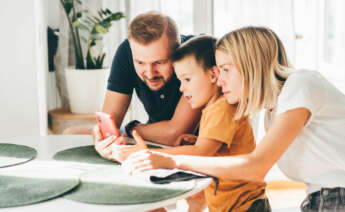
{"type": "Point", "coordinates": [214, 71]}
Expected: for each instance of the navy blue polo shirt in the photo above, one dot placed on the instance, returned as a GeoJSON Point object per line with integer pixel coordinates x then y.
{"type": "Point", "coordinates": [160, 105]}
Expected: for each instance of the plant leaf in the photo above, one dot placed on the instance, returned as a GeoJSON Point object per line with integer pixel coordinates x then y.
{"type": "Point", "coordinates": [90, 64]}
{"type": "Point", "coordinates": [99, 61]}
{"type": "Point", "coordinates": [117, 16]}
{"type": "Point", "coordinates": [108, 11]}
{"type": "Point", "coordinates": [100, 29]}
{"type": "Point", "coordinates": [97, 19]}
{"type": "Point", "coordinates": [92, 43]}
{"type": "Point", "coordinates": [68, 7]}
{"type": "Point", "coordinates": [87, 22]}
{"type": "Point", "coordinates": [100, 14]}
{"type": "Point", "coordinates": [91, 20]}
{"type": "Point", "coordinates": [82, 26]}
{"type": "Point", "coordinates": [106, 24]}
{"type": "Point", "coordinates": [75, 23]}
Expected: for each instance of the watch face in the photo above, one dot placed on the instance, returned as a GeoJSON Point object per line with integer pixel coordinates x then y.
{"type": "Point", "coordinates": [129, 127]}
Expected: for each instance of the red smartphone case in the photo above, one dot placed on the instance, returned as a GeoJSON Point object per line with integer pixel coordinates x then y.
{"type": "Point", "coordinates": [107, 125]}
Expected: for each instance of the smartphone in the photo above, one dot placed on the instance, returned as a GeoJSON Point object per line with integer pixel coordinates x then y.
{"type": "Point", "coordinates": [107, 125]}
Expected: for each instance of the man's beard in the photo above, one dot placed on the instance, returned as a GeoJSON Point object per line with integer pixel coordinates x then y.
{"type": "Point", "coordinates": [148, 83]}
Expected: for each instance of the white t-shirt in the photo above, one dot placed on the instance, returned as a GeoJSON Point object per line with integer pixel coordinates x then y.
{"type": "Point", "coordinates": [317, 155]}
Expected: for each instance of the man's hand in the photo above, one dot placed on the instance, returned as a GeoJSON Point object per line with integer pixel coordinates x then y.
{"type": "Point", "coordinates": [185, 139]}
{"type": "Point", "coordinates": [103, 146]}
{"type": "Point", "coordinates": [96, 134]}
{"type": "Point", "coordinates": [120, 152]}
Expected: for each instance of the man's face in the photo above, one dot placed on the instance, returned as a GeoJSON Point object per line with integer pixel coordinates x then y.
{"type": "Point", "coordinates": [152, 62]}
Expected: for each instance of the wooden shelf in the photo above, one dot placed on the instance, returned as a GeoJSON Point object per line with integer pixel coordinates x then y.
{"type": "Point", "coordinates": [61, 119]}
{"type": "Point", "coordinates": [65, 114]}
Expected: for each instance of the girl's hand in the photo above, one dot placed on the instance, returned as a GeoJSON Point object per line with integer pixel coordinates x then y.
{"type": "Point", "coordinates": [120, 151]}
{"type": "Point", "coordinates": [185, 139]}
{"type": "Point", "coordinates": [145, 159]}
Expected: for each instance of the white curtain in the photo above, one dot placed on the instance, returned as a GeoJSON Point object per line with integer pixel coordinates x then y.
{"type": "Point", "coordinates": [62, 56]}
{"type": "Point", "coordinates": [118, 31]}
{"type": "Point", "coordinates": [275, 14]}
{"type": "Point", "coordinates": [306, 20]}
{"type": "Point", "coordinates": [335, 32]}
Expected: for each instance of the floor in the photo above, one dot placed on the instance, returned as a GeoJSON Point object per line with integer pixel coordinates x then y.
{"type": "Point", "coordinates": [285, 200]}
{"type": "Point", "coordinates": [281, 200]}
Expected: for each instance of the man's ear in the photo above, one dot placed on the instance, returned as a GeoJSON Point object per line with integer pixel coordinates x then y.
{"type": "Point", "coordinates": [214, 71]}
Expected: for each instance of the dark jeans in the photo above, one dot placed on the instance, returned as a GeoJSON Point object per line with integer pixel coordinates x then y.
{"type": "Point", "coordinates": [260, 205]}
{"type": "Point", "coordinates": [326, 200]}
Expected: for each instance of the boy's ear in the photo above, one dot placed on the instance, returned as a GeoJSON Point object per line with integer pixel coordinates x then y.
{"type": "Point", "coordinates": [214, 74]}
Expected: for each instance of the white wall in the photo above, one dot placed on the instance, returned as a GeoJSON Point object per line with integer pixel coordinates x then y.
{"type": "Point", "coordinates": [54, 14]}
{"type": "Point", "coordinates": [22, 74]}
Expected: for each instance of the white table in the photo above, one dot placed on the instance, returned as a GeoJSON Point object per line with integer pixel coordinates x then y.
{"type": "Point", "coordinates": [47, 146]}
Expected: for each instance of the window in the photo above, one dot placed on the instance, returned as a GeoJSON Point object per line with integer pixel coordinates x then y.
{"type": "Point", "coordinates": [334, 40]}
{"type": "Point", "coordinates": [182, 12]}
{"type": "Point", "coordinates": [179, 10]}
{"type": "Point", "coordinates": [276, 14]}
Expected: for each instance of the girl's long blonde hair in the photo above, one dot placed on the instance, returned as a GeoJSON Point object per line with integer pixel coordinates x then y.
{"type": "Point", "coordinates": [259, 56]}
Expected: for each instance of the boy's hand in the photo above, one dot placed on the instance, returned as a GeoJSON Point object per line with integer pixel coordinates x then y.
{"type": "Point", "coordinates": [185, 139]}
{"type": "Point", "coordinates": [120, 151]}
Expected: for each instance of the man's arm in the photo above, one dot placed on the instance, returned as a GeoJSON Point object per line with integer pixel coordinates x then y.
{"type": "Point", "coordinates": [117, 105]}
{"type": "Point", "coordinates": [184, 120]}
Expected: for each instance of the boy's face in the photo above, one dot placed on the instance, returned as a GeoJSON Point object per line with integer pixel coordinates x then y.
{"type": "Point", "coordinates": [229, 78]}
{"type": "Point", "coordinates": [197, 85]}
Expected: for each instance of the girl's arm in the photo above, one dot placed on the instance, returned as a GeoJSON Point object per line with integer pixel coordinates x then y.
{"type": "Point", "coordinates": [252, 167]}
{"type": "Point", "coordinates": [202, 147]}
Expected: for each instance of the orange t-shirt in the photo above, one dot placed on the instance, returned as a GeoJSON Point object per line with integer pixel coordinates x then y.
{"type": "Point", "coordinates": [217, 122]}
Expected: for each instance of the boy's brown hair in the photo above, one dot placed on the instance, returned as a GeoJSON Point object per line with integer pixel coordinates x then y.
{"type": "Point", "coordinates": [202, 48]}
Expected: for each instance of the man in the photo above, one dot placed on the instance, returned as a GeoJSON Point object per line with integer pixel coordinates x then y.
{"type": "Point", "coordinates": [142, 63]}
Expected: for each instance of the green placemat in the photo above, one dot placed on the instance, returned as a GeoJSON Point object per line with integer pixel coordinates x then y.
{"type": "Point", "coordinates": [82, 154]}
{"type": "Point", "coordinates": [18, 188]}
{"type": "Point", "coordinates": [86, 154]}
{"type": "Point", "coordinates": [13, 154]}
{"type": "Point", "coordinates": [112, 186]}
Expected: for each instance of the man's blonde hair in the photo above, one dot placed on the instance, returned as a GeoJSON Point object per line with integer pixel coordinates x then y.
{"type": "Point", "coordinates": [148, 27]}
{"type": "Point", "coordinates": [259, 56]}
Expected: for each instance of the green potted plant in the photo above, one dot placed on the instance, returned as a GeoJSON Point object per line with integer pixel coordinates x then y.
{"type": "Point", "coordinates": [86, 81]}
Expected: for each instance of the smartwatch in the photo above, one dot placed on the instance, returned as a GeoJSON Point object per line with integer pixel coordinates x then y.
{"type": "Point", "coordinates": [129, 127]}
